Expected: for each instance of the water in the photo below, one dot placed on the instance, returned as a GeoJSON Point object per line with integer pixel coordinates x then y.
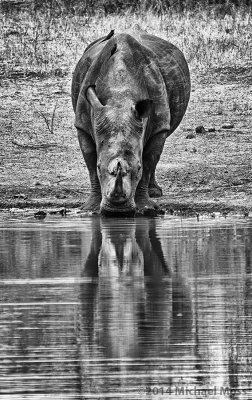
{"type": "Point", "coordinates": [125, 309]}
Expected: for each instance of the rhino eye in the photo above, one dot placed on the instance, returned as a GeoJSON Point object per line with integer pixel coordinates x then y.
{"type": "Point", "coordinates": [99, 167]}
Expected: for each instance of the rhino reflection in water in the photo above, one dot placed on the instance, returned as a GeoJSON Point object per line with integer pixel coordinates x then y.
{"type": "Point", "coordinates": [129, 93]}
{"type": "Point", "coordinates": [133, 309]}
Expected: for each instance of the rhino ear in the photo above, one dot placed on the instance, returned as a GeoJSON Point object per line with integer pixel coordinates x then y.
{"type": "Point", "coordinates": [143, 108]}
{"type": "Point", "coordinates": [92, 98]}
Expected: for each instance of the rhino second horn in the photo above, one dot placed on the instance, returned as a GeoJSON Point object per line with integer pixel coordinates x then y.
{"type": "Point", "coordinates": [118, 188]}
{"type": "Point", "coordinates": [92, 98]}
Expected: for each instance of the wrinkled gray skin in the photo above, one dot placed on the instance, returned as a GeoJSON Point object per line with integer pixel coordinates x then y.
{"type": "Point", "coordinates": [129, 93]}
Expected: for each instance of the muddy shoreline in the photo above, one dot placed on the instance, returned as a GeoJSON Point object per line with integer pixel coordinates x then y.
{"type": "Point", "coordinates": [204, 171]}
{"type": "Point", "coordinates": [64, 207]}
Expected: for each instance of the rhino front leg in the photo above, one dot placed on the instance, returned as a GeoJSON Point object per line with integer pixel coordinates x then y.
{"type": "Point", "coordinates": [88, 149]}
{"type": "Point", "coordinates": [148, 186]}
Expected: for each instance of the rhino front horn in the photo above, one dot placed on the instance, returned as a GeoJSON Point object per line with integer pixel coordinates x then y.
{"type": "Point", "coordinates": [92, 98]}
{"type": "Point", "coordinates": [118, 194]}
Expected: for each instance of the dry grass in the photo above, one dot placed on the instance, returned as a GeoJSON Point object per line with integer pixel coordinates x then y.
{"type": "Point", "coordinates": [41, 44]}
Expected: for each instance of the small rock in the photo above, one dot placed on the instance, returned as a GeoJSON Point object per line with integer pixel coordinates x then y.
{"type": "Point", "coordinates": [191, 135]}
{"type": "Point", "coordinates": [40, 214]}
{"type": "Point", "coordinates": [227, 126]}
{"type": "Point", "coordinates": [211, 129]}
{"type": "Point", "coordinates": [200, 129]}
{"type": "Point", "coordinates": [238, 182]}
{"type": "Point", "coordinates": [20, 196]}
{"type": "Point", "coordinates": [59, 72]}
{"type": "Point", "coordinates": [37, 183]}
{"type": "Point", "coordinates": [63, 212]}
{"type": "Point", "coordinates": [194, 150]}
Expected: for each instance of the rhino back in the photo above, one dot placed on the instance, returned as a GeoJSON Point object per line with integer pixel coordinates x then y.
{"type": "Point", "coordinates": [163, 66]}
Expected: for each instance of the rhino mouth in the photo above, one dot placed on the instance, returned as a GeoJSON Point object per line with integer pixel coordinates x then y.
{"type": "Point", "coordinates": [118, 213]}
{"type": "Point", "coordinates": [121, 209]}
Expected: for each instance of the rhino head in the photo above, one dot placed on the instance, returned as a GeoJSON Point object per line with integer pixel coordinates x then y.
{"type": "Point", "coordinates": [118, 131]}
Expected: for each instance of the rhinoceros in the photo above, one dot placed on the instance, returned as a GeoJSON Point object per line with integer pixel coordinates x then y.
{"type": "Point", "coordinates": [130, 91]}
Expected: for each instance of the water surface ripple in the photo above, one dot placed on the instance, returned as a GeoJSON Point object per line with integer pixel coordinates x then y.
{"type": "Point", "coordinates": [126, 309]}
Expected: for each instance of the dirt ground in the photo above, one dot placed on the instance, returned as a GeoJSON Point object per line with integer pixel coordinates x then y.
{"type": "Point", "coordinates": [41, 163]}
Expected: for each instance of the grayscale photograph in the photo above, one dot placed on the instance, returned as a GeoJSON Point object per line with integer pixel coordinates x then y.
{"type": "Point", "coordinates": [125, 199]}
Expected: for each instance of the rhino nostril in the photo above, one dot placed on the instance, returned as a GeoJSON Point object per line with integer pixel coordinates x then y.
{"type": "Point", "coordinates": [113, 172]}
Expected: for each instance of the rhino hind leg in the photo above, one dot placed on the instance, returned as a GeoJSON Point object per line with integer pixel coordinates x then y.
{"type": "Point", "coordinates": [89, 153]}
{"type": "Point", "coordinates": [154, 189]}
{"type": "Point", "coordinates": [148, 186]}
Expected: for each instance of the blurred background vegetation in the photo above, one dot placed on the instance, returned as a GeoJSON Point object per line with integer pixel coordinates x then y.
{"type": "Point", "coordinates": [80, 7]}
{"type": "Point", "coordinates": [46, 38]}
